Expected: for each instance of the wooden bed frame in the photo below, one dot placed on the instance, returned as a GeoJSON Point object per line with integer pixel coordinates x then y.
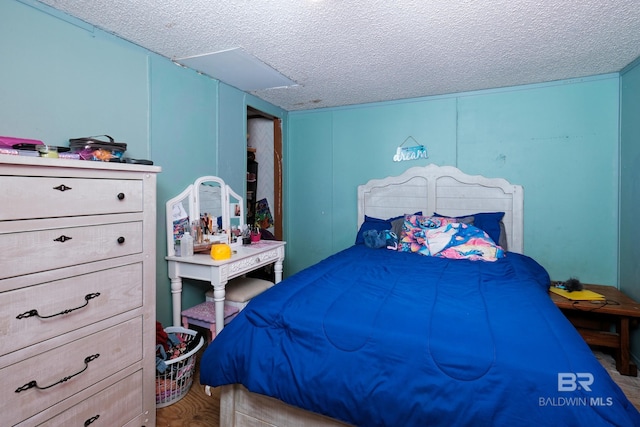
{"type": "Point", "coordinates": [442, 189]}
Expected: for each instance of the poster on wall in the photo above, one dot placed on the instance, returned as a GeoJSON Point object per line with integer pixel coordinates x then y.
{"type": "Point", "coordinates": [263, 214]}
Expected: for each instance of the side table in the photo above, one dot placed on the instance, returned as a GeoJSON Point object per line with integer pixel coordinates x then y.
{"type": "Point", "coordinates": [605, 323]}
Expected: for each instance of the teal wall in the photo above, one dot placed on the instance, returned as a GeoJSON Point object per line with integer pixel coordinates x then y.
{"type": "Point", "coordinates": [630, 187]}
{"type": "Point", "coordinates": [558, 140]}
{"type": "Point", "coordinates": [62, 78]}
{"type": "Point", "coordinates": [183, 135]}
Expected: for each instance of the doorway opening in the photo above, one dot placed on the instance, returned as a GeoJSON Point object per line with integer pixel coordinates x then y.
{"type": "Point", "coordinates": [264, 172]}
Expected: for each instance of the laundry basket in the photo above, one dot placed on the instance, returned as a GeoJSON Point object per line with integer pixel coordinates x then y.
{"type": "Point", "coordinates": [174, 383]}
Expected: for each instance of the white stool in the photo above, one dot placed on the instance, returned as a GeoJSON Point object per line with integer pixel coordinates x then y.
{"type": "Point", "coordinates": [239, 291]}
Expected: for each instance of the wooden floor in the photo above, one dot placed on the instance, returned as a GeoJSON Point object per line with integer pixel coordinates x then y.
{"type": "Point", "coordinates": [197, 409]}
{"type": "Point", "coordinates": [629, 385]}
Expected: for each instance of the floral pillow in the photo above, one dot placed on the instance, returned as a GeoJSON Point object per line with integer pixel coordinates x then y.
{"type": "Point", "coordinates": [464, 242]}
{"type": "Point", "coordinates": [414, 232]}
{"type": "Point", "coordinates": [490, 222]}
{"type": "Point", "coordinates": [446, 238]}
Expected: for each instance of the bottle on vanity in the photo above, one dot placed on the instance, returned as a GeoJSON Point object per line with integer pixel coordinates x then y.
{"type": "Point", "coordinates": [186, 244]}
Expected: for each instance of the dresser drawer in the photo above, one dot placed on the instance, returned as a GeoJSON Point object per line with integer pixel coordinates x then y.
{"type": "Point", "coordinates": [67, 304]}
{"type": "Point", "coordinates": [68, 369]}
{"type": "Point", "coordinates": [33, 197]}
{"type": "Point", "coordinates": [41, 250]}
{"type": "Point", "coordinates": [114, 406]}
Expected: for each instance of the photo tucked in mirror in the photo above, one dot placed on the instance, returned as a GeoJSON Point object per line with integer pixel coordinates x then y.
{"type": "Point", "coordinates": [180, 217]}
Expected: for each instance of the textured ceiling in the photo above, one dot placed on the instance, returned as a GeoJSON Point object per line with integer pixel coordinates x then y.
{"type": "Point", "coordinates": [351, 52]}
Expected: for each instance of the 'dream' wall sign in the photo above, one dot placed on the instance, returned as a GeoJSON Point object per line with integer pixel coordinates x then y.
{"type": "Point", "coordinates": [414, 152]}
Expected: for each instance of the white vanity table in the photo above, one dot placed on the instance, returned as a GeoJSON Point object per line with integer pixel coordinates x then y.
{"type": "Point", "coordinates": [210, 196]}
{"type": "Point", "coordinates": [201, 267]}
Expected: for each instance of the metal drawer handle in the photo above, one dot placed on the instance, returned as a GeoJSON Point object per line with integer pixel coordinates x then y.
{"type": "Point", "coordinates": [120, 196]}
{"type": "Point", "coordinates": [62, 239]}
{"type": "Point", "coordinates": [91, 420]}
{"type": "Point", "coordinates": [32, 313]}
{"type": "Point", "coordinates": [34, 383]}
{"type": "Point", "coordinates": [121, 240]}
{"type": "Point", "coordinates": [62, 187]}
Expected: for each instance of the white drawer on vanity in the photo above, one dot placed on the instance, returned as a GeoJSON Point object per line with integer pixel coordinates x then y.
{"type": "Point", "coordinates": [38, 197]}
{"type": "Point", "coordinates": [52, 245]}
{"type": "Point", "coordinates": [66, 370]}
{"type": "Point", "coordinates": [43, 311]}
{"type": "Point", "coordinates": [251, 263]}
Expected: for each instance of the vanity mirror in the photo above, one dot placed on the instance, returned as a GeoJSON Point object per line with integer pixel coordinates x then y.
{"type": "Point", "coordinates": [210, 210]}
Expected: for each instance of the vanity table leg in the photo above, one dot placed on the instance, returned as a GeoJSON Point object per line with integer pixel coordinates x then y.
{"type": "Point", "coordinates": [218, 298]}
{"type": "Point", "coordinates": [277, 269]}
{"type": "Point", "coordinates": [176, 300]}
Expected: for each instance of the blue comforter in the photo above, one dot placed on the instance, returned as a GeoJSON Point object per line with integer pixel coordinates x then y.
{"type": "Point", "coordinates": [385, 338]}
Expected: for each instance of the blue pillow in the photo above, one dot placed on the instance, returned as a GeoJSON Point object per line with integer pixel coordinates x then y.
{"type": "Point", "coordinates": [371, 223]}
{"type": "Point", "coordinates": [489, 222]}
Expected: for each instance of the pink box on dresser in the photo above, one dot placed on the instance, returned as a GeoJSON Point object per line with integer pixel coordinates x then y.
{"type": "Point", "coordinates": [10, 141]}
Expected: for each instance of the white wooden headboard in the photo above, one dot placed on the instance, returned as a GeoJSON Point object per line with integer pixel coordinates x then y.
{"type": "Point", "coordinates": [447, 191]}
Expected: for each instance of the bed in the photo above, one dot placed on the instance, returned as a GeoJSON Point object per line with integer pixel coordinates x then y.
{"type": "Point", "coordinates": [373, 336]}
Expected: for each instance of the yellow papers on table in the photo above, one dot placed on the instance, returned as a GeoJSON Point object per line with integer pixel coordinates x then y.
{"type": "Point", "coordinates": [583, 295]}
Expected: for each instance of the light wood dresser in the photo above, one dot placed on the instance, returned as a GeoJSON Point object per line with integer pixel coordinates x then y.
{"type": "Point", "coordinates": [77, 292]}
